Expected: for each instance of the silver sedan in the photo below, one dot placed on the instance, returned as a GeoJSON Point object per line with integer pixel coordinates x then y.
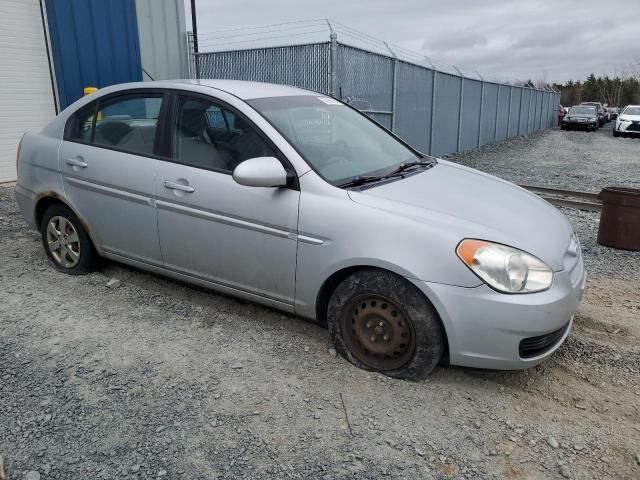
{"type": "Point", "coordinates": [297, 201]}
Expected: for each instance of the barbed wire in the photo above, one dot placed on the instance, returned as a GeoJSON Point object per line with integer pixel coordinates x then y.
{"type": "Point", "coordinates": [262, 36]}
{"type": "Point", "coordinates": [224, 33]}
{"type": "Point", "coordinates": [289, 35]}
{"type": "Point", "coordinates": [257, 27]}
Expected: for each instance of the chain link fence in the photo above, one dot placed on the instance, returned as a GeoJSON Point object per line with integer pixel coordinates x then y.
{"type": "Point", "coordinates": [436, 111]}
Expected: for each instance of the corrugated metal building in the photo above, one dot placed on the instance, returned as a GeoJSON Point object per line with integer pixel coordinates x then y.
{"type": "Point", "coordinates": [51, 49]}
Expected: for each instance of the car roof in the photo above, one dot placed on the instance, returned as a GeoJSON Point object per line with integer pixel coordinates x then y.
{"type": "Point", "coordinates": [239, 88]}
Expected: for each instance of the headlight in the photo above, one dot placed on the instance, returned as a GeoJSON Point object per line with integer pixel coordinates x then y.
{"type": "Point", "coordinates": [503, 268]}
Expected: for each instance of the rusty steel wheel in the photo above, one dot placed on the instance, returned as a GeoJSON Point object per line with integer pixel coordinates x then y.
{"type": "Point", "coordinates": [382, 322]}
{"type": "Point", "coordinates": [378, 332]}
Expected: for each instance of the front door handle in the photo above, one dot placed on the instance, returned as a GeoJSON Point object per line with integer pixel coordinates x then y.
{"type": "Point", "coordinates": [74, 162]}
{"type": "Point", "coordinates": [178, 186]}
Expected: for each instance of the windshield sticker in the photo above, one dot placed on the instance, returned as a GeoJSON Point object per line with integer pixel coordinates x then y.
{"type": "Point", "coordinates": [329, 101]}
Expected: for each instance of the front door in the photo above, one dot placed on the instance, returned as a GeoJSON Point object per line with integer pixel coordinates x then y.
{"type": "Point", "coordinates": [242, 238]}
{"type": "Point", "coordinates": [108, 166]}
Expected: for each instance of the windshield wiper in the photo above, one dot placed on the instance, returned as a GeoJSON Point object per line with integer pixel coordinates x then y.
{"type": "Point", "coordinates": [356, 181]}
{"type": "Point", "coordinates": [398, 172]}
{"type": "Point", "coordinates": [408, 165]}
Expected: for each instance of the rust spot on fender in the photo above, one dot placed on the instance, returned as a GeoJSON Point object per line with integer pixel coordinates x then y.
{"type": "Point", "coordinates": [47, 194]}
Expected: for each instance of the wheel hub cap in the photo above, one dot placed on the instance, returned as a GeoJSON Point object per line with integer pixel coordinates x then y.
{"type": "Point", "coordinates": [63, 242]}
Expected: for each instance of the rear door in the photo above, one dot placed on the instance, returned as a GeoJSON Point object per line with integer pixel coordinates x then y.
{"type": "Point", "coordinates": [108, 161]}
{"type": "Point", "coordinates": [240, 238]}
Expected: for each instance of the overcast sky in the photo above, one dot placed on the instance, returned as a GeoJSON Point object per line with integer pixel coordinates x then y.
{"type": "Point", "coordinates": [552, 40]}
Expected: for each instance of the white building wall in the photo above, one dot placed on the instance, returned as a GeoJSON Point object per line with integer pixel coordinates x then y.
{"type": "Point", "coordinates": [26, 93]}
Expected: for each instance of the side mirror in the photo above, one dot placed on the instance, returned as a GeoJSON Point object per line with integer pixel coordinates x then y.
{"type": "Point", "coordinates": [261, 172]}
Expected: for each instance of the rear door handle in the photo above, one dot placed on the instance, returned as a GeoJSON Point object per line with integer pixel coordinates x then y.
{"type": "Point", "coordinates": [74, 162]}
{"type": "Point", "coordinates": [178, 186]}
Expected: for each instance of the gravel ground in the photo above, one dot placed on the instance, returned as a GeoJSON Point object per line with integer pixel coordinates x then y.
{"type": "Point", "coordinates": [574, 160]}
{"type": "Point", "coordinates": [153, 379]}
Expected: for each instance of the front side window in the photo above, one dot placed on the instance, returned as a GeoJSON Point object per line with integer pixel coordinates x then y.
{"type": "Point", "coordinates": [338, 142]}
{"type": "Point", "coordinates": [208, 135]}
{"type": "Point", "coordinates": [128, 123]}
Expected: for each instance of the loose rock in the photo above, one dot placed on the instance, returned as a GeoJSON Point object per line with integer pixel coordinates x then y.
{"type": "Point", "coordinates": [553, 443]}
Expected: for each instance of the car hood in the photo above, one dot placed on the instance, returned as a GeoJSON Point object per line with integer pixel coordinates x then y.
{"type": "Point", "coordinates": [471, 204]}
{"type": "Point", "coordinates": [628, 118]}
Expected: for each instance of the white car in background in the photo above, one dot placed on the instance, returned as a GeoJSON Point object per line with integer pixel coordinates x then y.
{"type": "Point", "coordinates": [628, 121]}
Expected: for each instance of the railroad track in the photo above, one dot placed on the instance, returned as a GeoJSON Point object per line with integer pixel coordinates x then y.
{"type": "Point", "coordinates": [567, 198]}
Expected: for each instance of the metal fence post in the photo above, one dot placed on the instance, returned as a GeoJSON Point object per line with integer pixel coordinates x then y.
{"type": "Point", "coordinates": [460, 107]}
{"type": "Point", "coordinates": [495, 129]}
{"type": "Point", "coordinates": [520, 109]}
{"type": "Point", "coordinates": [535, 120]}
{"type": "Point", "coordinates": [433, 110]}
{"type": "Point", "coordinates": [333, 63]}
{"type": "Point", "coordinates": [394, 86]}
{"type": "Point", "coordinates": [480, 119]}
{"type": "Point", "coordinates": [529, 112]}
{"type": "Point", "coordinates": [539, 112]}
{"type": "Point", "coordinates": [509, 113]}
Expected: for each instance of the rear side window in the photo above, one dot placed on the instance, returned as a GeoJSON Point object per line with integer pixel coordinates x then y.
{"type": "Point", "coordinates": [80, 126]}
{"type": "Point", "coordinates": [126, 122]}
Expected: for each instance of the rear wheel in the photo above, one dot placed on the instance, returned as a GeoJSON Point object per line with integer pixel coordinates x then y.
{"type": "Point", "coordinates": [381, 322]}
{"type": "Point", "coordinates": [66, 242]}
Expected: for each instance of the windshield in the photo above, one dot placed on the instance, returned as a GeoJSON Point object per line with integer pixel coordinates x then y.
{"type": "Point", "coordinates": [337, 142]}
{"type": "Point", "coordinates": [632, 111]}
{"type": "Point", "coordinates": [582, 111]}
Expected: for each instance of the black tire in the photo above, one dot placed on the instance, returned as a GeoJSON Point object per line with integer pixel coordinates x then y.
{"type": "Point", "coordinates": [86, 253]}
{"type": "Point", "coordinates": [562, 127]}
{"type": "Point", "coordinates": [409, 317]}
{"type": "Point", "coordinates": [616, 133]}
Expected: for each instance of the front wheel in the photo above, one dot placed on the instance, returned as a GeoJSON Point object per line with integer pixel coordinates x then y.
{"type": "Point", "coordinates": [381, 322]}
{"type": "Point", "coordinates": [66, 242]}
{"type": "Point", "coordinates": [616, 133]}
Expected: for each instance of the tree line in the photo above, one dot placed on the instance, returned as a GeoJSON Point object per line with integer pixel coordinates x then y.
{"type": "Point", "coordinates": [616, 92]}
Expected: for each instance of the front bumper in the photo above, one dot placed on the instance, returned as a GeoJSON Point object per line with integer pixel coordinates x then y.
{"type": "Point", "coordinates": [579, 125]}
{"type": "Point", "coordinates": [485, 328]}
{"type": "Point", "coordinates": [628, 127]}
